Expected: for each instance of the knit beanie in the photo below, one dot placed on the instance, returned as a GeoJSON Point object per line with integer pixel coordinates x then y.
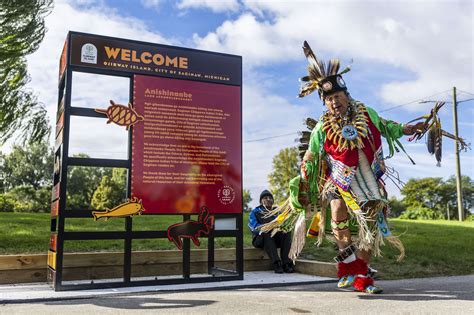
{"type": "Point", "coordinates": [264, 194]}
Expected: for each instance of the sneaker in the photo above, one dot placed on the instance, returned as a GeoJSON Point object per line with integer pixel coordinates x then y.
{"type": "Point", "coordinates": [278, 267]}
{"type": "Point", "coordinates": [288, 268]}
{"type": "Point", "coordinates": [345, 281]}
{"type": "Point", "coordinates": [366, 284]}
{"type": "Point", "coordinates": [372, 289]}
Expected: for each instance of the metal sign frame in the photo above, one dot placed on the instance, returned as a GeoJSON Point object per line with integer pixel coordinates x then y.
{"type": "Point", "coordinates": [59, 213]}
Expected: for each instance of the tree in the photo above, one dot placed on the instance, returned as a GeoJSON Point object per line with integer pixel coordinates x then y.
{"type": "Point", "coordinates": [421, 212]}
{"type": "Point", "coordinates": [285, 167]}
{"type": "Point", "coordinates": [21, 32]}
{"type": "Point", "coordinates": [3, 177]}
{"type": "Point", "coordinates": [82, 182]}
{"type": "Point", "coordinates": [396, 207]}
{"type": "Point", "coordinates": [429, 197]}
{"type": "Point", "coordinates": [29, 165]}
{"type": "Point", "coordinates": [28, 199]}
{"type": "Point", "coordinates": [246, 199]}
{"type": "Point", "coordinates": [26, 178]}
{"type": "Point", "coordinates": [426, 191]}
{"type": "Point", "coordinates": [111, 191]}
{"type": "Point", "coordinates": [451, 194]}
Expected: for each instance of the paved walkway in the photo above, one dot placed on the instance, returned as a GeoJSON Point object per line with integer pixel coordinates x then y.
{"type": "Point", "coordinates": [444, 295]}
{"type": "Point", "coordinates": [22, 293]}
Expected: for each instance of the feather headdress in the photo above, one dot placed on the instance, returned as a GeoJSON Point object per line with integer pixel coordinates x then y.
{"type": "Point", "coordinates": [325, 79]}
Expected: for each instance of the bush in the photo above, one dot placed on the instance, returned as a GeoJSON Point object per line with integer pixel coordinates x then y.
{"type": "Point", "coordinates": [421, 213]}
{"type": "Point", "coordinates": [7, 204]}
{"type": "Point", "coordinates": [111, 191]}
{"type": "Point", "coordinates": [29, 199]}
{"type": "Point", "coordinates": [396, 207]}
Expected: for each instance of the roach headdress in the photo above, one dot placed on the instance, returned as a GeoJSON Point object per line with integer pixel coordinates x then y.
{"type": "Point", "coordinates": [326, 80]}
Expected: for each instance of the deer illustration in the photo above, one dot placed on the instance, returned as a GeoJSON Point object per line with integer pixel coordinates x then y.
{"type": "Point", "coordinates": [191, 229]}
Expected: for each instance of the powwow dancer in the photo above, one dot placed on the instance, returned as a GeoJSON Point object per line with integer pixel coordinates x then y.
{"type": "Point", "coordinates": [342, 168]}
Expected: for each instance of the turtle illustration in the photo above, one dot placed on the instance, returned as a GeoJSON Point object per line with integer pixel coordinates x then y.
{"type": "Point", "coordinates": [121, 115]}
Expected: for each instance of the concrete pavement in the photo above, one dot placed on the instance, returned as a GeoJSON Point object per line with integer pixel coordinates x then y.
{"type": "Point", "coordinates": [443, 295]}
{"type": "Point", "coordinates": [42, 292]}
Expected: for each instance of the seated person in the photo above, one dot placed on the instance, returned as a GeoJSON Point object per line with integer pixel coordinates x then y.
{"type": "Point", "coordinates": [265, 241]}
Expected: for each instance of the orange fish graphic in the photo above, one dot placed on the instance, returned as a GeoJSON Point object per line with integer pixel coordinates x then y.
{"type": "Point", "coordinates": [131, 207]}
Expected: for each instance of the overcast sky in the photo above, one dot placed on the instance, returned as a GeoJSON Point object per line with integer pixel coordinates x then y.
{"type": "Point", "coordinates": [400, 52]}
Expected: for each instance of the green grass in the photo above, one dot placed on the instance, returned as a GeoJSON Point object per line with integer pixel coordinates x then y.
{"type": "Point", "coordinates": [28, 233]}
{"type": "Point", "coordinates": [433, 248]}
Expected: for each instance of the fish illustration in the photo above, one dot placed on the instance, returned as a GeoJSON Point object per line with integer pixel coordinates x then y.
{"type": "Point", "coordinates": [121, 115]}
{"type": "Point", "coordinates": [131, 207]}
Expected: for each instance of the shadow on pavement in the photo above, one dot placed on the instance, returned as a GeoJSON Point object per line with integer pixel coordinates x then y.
{"type": "Point", "coordinates": [135, 302]}
{"type": "Point", "coordinates": [421, 295]}
{"type": "Point", "coordinates": [449, 288]}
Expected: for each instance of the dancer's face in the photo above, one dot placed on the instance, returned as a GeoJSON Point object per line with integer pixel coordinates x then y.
{"type": "Point", "coordinates": [337, 103]}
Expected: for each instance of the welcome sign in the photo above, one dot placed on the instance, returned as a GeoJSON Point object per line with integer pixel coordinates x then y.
{"type": "Point", "coordinates": [154, 59]}
{"type": "Point", "coordinates": [183, 122]}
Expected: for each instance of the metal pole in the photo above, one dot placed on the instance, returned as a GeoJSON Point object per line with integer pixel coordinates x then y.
{"type": "Point", "coordinates": [458, 162]}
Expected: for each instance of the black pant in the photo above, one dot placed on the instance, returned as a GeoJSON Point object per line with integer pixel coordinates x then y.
{"type": "Point", "coordinates": [270, 245]}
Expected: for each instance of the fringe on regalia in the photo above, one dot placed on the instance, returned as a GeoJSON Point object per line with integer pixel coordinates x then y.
{"type": "Point", "coordinates": [371, 222]}
{"type": "Point", "coordinates": [288, 219]}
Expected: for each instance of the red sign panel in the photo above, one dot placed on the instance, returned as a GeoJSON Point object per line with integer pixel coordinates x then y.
{"type": "Point", "coordinates": [187, 152]}
{"type": "Point", "coordinates": [55, 208]}
{"type": "Point", "coordinates": [55, 193]}
{"type": "Point", "coordinates": [63, 62]}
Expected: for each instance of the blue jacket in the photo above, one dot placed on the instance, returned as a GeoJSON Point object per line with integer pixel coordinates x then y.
{"type": "Point", "coordinates": [256, 218]}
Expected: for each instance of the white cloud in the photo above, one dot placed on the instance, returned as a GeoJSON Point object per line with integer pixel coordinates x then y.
{"type": "Point", "coordinates": [214, 5]}
{"type": "Point", "coordinates": [256, 41]}
{"type": "Point", "coordinates": [266, 116]}
{"type": "Point", "coordinates": [431, 39]}
{"type": "Point", "coordinates": [151, 3]}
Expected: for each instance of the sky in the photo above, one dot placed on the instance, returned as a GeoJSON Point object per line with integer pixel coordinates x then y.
{"type": "Point", "coordinates": [400, 52]}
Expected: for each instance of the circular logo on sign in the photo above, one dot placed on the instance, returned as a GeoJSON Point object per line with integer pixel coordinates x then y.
{"type": "Point", "coordinates": [226, 195]}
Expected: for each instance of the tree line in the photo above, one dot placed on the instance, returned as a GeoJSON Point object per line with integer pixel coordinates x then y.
{"type": "Point", "coordinates": [26, 175]}
{"type": "Point", "coordinates": [26, 182]}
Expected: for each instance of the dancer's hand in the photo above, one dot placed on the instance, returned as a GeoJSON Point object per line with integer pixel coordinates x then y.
{"type": "Point", "coordinates": [408, 130]}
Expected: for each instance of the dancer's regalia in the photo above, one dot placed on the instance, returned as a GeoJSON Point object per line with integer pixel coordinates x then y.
{"type": "Point", "coordinates": [343, 159]}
